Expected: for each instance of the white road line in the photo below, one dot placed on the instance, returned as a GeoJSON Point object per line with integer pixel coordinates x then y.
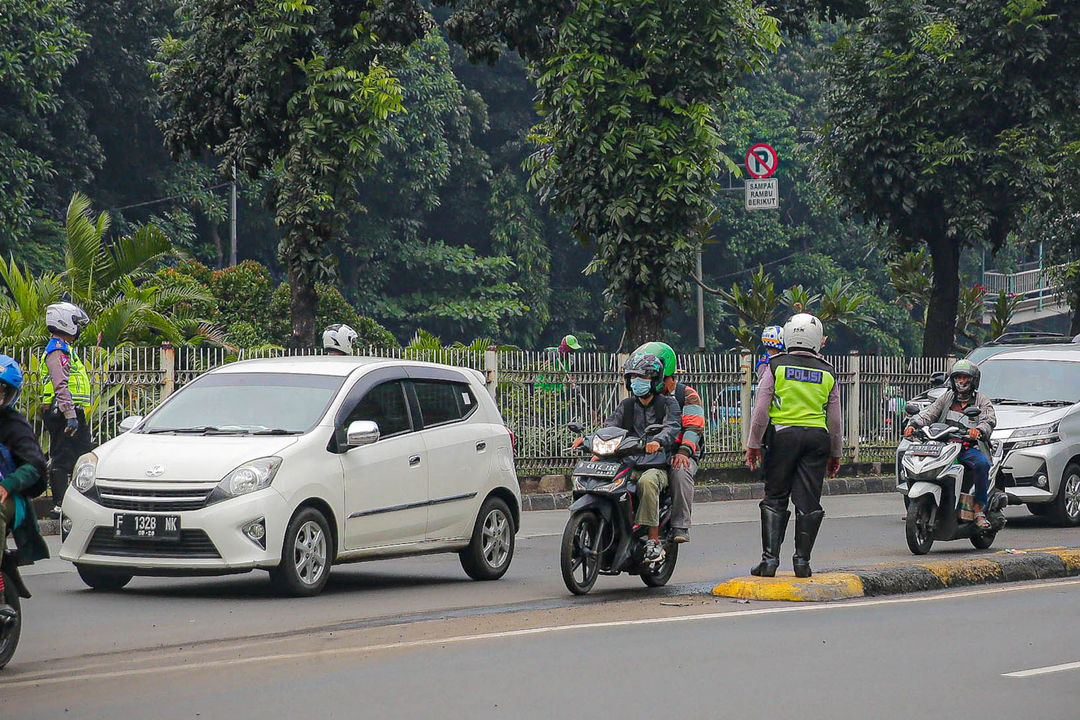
{"type": "Point", "coordinates": [1043, 670]}
{"type": "Point", "coordinates": [67, 675]}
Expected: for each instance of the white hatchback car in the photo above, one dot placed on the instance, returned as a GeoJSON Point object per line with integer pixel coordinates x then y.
{"type": "Point", "coordinates": [295, 464]}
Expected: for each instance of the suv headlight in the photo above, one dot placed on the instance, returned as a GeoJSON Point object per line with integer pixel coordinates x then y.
{"type": "Point", "coordinates": [249, 477]}
{"type": "Point", "coordinates": [1035, 435]}
{"type": "Point", "coordinates": [84, 476]}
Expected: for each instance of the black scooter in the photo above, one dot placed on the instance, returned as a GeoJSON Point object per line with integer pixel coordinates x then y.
{"type": "Point", "coordinates": [14, 588]}
{"type": "Point", "coordinates": [600, 536]}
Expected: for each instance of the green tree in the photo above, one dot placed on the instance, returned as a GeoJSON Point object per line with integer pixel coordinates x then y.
{"type": "Point", "coordinates": [628, 142]}
{"type": "Point", "coordinates": [293, 88]}
{"type": "Point", "coordinates": [940, 123]}
{"type": "Point", "coordinates": [39, 41]}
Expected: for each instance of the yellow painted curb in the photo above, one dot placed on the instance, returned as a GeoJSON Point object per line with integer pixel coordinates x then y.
{"type": "Point", "coordinates": [785, 586]}
{"type": "Point", "coordinates": [968, 571]}
{"type": "Point", "coordinates": [1069, 556]}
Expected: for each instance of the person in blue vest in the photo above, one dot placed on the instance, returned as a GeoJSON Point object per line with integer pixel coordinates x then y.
{"type": "Point", "coordinates": [22, 476]}
{"type": "Point", "coordinates": [66, 397]}
{"type": "Point", "coordinates": [798, 395]}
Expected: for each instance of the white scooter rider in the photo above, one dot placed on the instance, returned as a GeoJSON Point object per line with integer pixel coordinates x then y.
{"type": "Point", "coordinates": [963, 392]}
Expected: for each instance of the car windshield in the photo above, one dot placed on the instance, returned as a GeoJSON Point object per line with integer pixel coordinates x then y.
{"type": "Point", "coordinates": [246, 403]}
{"type": "Point", "coordinates": [1030, 381]}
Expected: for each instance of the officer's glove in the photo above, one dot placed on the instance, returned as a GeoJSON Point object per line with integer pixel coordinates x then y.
{"type": "Point", "coordinates": [72, 426]}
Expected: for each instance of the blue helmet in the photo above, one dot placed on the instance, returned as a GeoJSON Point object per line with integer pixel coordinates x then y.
{"type": "Point", "coordinates": [11, 376]}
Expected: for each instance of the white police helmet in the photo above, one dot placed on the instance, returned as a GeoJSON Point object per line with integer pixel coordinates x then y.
{"type": "Point", "coordinates": [66, 318]}
{"type": "Point", "coordinates": [339, 337]}
{"type": "Point", "coordinates": [803, 332]}
{"type": "Point", "coordinates": [772, 337]}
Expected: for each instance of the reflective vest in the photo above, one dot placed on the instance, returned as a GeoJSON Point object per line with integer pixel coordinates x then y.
{"type": "Point", "coordinates": [802, 388]}
{"type": "Point", "coordinates": [78, 379]}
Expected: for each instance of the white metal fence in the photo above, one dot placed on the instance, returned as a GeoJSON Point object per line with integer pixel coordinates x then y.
{"type": "Point", "coordinates": [538, 393]}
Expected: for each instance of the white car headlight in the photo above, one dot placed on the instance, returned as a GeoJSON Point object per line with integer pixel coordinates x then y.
{"type": "Point", "coordinates": [84, 476]}
{"type": "Point", "coordinates": [249, 477]}
{"type": "Point", "coordinates": [605, 447]}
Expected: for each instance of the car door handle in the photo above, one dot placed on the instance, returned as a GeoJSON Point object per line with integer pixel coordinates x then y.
{"type": "Point", "coordinates": [481, 446]}
{"type": "Point", "coordinates": [414, 461]}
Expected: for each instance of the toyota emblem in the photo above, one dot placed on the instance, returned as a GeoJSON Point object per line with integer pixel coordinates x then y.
{"type": "Point", "coordinates": [155, 470]}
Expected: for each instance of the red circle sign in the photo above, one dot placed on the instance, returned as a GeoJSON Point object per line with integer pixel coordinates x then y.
{"type": "Point", "coordinates": [761, 161]}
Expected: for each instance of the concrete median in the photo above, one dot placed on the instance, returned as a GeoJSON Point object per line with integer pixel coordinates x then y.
{"type": "Point", "coordinates": [908, 577]}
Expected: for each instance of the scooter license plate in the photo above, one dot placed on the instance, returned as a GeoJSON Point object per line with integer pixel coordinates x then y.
{"type": "Point", "coordinates": [925, 450]}
{"type": "Point", "coordinates": [597, 468]}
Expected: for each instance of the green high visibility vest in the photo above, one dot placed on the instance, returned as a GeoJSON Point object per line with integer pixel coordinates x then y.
{"type": "Point", "coordinates": [78, 379]}
{"type": "Point", "coordinates": [802, 389]}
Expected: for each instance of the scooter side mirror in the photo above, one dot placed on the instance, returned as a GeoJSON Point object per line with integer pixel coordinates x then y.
{"type": "Point", "coordinates": [911, 409]}
{"type": "Point", "coordinates": [575, 427]}
{"type": "Point", "coordinates": [938, 379]}
{"type": "Point", "coordinates": [972, 412]}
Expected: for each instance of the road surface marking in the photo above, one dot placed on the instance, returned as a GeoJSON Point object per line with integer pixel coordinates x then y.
{"type": "Point", "coordinates": [1043, 670]}
{"type": "Point", "coordinates": [69, 675]}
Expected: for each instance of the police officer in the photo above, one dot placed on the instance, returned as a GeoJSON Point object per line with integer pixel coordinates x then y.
{"type": "Point", "coordinates": [66, 397]}
{"type": "Point", "coordinates": [338, 339]}
{"type": "Point", "coordinates": [797, 393]}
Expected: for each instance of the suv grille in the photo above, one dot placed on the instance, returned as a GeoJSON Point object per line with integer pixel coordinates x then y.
{"type": "Point", "coordinates": [157, 497]}
{"type": "Point", "coordinates": [192, 544]}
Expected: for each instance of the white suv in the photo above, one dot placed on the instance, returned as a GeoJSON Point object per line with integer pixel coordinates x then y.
{"type": "Point", "coordinates": [1036, 444]}
{"type": "Point", "coordinates": [294, 464]}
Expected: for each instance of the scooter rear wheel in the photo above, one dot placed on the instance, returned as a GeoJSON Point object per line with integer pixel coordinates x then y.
{"type": "Point", "coordinates": [658, 574]}
{"type": "Point", "coordinates": [579, 556]}
{"type": "Point", "coordinates": [9, 634]}
{"type": "Point", "coordinates": [917, 530]}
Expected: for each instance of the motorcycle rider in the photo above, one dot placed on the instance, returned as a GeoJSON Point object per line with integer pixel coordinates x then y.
{"type": "Point", "coordinates": [66, 397]}
{"type": "Point", "coordinates": [772, 338]}
{"type": "Point", "coordinates": [961, 392]}
{"type": "Point", "coordinates": [797, 394]}
{"type": "Point", "coordinates": [689, 445]}
{"type": "Point", "coordinates": [644, 377]}
{"type": "Point", "coordinates": [26, 481]}
{"type": "Point", "coordinates": [338, 339]}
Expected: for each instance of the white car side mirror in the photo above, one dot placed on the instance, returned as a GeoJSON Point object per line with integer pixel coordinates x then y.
{"type": "Point", "coordinates": [130, 422]}
{"type": "Point", "coordinates": [361, 432]}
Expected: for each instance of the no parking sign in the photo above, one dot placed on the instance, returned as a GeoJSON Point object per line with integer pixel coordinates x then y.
{"type": "Point", "coordinates": [761, 161]}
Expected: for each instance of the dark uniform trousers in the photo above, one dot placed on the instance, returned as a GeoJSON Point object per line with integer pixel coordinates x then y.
{"type": "Point", "coordinates": [795, 467]}
{"type": "Point", "coordinates": [65, 449]}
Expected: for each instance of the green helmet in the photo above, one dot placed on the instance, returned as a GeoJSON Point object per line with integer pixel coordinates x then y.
{"type": "Point", "coordinates": [965, 367]}
{"type": "Point", "coordinates": [662, 351]}
{"type": "Point", "coordinates": [646, 365]}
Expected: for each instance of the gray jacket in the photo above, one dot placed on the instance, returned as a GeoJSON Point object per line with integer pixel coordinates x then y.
{"type": "Point", "coordinates": [939, 409]}
{"type": "Point", "coordinates": [634, 417]}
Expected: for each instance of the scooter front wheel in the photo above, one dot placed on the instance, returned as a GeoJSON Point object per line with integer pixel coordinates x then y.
{"type": "Point", "coordinates": [981, 541]}
{"type": "Point", "coordinates": [920, 536]}
{"type": "Point", "coordinates": [9, 633]}
{"type": "Point", "coordinates": [579, 556]}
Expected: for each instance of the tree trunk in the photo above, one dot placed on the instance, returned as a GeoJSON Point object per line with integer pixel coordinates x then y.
{"type": "Point", "coordinates": [302, 306]}
{"type": "Point", "coordinates": [642, 325]}
{"type": "Point", "coordinates": [219, 256]}
{"type": "Point", "coordinates": [939, 335]}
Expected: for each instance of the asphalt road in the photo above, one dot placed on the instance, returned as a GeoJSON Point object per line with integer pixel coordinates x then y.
{"type": "Point", "coordinates": [146, 632]}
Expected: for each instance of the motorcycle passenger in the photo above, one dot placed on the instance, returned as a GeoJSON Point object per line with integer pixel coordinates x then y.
{"type": "Point", "coordinates": [25, 479]}
{"type": "Point", "coordinates": [338, 339]}
{"type": "Point", "coordinates": [962, 391]}
{"type": "Point", "coordinates": [644, 377]}
{"type": "Point", "coordinates": [66, 397]}
{"type": "Point", "coordinates": [797, 394]}
{"type": "Point", "coordinates": [688, 445]}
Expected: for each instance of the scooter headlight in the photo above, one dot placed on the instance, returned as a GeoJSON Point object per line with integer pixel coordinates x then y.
{"type": "Point", "coordinates": [605, 447]}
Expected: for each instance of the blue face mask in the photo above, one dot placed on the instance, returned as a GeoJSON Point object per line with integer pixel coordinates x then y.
{"type": "Point", "coordinates": [640, 386]}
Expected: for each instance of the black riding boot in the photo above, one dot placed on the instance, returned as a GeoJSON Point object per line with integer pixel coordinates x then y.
{"type": "Point", "coordinates": [806, 530]}
{"type": "Point", "coordinates": [773, 526]}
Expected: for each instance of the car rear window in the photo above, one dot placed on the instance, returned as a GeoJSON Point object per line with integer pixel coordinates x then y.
{"type": "Point", "coordinates": [444, 402]}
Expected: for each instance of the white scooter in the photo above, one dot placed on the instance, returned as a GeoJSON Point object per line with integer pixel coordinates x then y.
{"type": "Point", "coordinates": [935, 481]}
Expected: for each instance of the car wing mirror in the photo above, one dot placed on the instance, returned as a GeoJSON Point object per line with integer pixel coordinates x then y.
{"type": "Point", "coordinates": [361, 432]}
{"type": "Point", "coordinates": [130, 422]}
